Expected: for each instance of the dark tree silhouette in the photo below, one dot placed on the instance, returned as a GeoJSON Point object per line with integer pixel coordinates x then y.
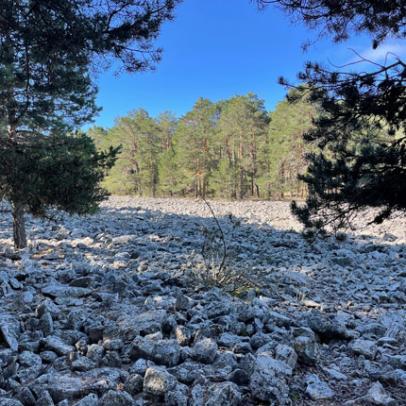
{"type": "Point", "coordinates": [361, 132]}
{"type": "Point", "coordinates": [47, 51]}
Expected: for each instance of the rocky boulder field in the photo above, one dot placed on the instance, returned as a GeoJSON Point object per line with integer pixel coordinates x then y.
{"type": "Point", "coordinates": [111, 309]}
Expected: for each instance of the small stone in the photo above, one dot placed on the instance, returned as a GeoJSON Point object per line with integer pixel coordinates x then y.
{"type": "Point", "coordinates": [26, 397]}
{"type": "Point", "coordinates": [305, 332]}
{"type": "Point", "coordinates": [259, 339]}
{"type": "Point", "coordinates": [229, 340]}
{"type": "Point", "coordinates": [158, 381]}
{"type": "Point", "coordinates": [46, 324]}
{"type": "Point", "coordinates": [48, 356]}
{"type": "Point", "coordinates": [27, 297]}
{"type": "Point", "coordinates": [177, 396]}
{"type": "Point", "coordinates": [335, 374]}
{"type": "Point", "coordinates": [83, 282]}
{"type": "Point", "coordinates": [225, 394]}
{"type": "Point", "coordinates": [83, 364]}
{"type": "Point", "coordinates": [133, 325]}
{"type": "Point", "coordinates": [164, 352]}
{"type": "Point", "coordinates": [188, 372]}
{"type": "Point", "coordinates": [45, 399]}
{"type": "Point", "coordinates": [267, 362]}
{"type": "Point", "coordinates": [182, 336]}
{"type": "Point", "coordinates": [9, 330]}
{"type": "Point", "coordinates": [113, 345]}
{"type": "Point", "coordinates": [116, 398]}
{"type": "Point", "coordinates": [280, 320]}
{"type": "Point", "coordinates": [134, 384]}
{"type": "Point", "coordinates": [30, 366]}
{"type": "Point", "coordinates": [367, 348]}
{"type": "Point", "coordinates": [286, 354]}
{"type": "Point", "coordinates": [140, 366]}
{"type": "Point", "coordinates": [240, 377]}
{"type": "Point", "coordinates": [95, 352]}
{"type": "Point", "coordinates": [266, 386]}
{"type": "Point", "coordinates": [307, 350]}
{"type": "Point", "coordinates": [56, 290]}
{"type": "Point", "coordinates": [62, 385]}
{"type": "Point", "coordinates": [205, 350]}
{"type": "Point", "coordinates": [89, 400]}
{"type": "Point", "coordinates": [397, 361]}
{"type": "Point", "coordinates": [317, 389]}
{"type": "Point", "coordinates": [327, 329]}
{"type": "Point", "coordinates": [378, 396]}
{"type": "Point", "coordinates": [10, 402]}
{"type": "Point", "coordinates": [57, 345]}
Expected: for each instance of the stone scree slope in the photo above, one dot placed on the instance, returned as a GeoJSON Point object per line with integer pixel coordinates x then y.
{"type": "Point", "coordinates": [106, 310]}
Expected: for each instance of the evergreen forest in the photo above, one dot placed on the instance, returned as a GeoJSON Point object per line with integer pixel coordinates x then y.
{"type": "Point", "coordinates": [232, 149]}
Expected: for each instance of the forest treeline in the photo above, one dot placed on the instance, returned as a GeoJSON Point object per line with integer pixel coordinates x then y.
{"type": "Point", "coordinates": [232, 149]}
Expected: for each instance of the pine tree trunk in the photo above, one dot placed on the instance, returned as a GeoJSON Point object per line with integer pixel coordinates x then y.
{"type": "Point", "coordinates": [240, 185]}
{"type": "Point", "coordinates": [204, 188]}
{"type": "Point", "coordinates": [19, 234]}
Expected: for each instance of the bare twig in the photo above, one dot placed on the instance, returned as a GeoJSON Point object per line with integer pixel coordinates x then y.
{"type": "Point", "coordinates": [223, 240]}
{"type": "Point", "coordinates": [217, 272]}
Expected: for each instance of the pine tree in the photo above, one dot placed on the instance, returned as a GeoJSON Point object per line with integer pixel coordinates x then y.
{"type": "Point", "coordinates": [243, 127]}
{"type": "Point", "coordinates": [222, 181]}
{"type": "Point", "coordinates": [136, 170]}
{"type": "Point", "coordinates": [209, 139]}
{"type": "Point", "coordinates": [353, 171]}
{"type": "Point", "coordinates": [193, 142]}
{"type": "Point", "coordinates": [291, 119]}
{"type": "Point", "coordinates": [46, 51]}
{"type": "Point", "coordinates": [167, 168]}
{"type": "Point", "coordinates": [54, 172]}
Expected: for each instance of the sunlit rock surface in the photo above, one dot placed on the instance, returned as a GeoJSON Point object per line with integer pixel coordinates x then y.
{"type": "Point", "coordinates": [107, 310]}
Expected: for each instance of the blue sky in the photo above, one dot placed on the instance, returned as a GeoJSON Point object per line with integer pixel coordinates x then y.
{"type": "Point", "coordinates": [217, 49]}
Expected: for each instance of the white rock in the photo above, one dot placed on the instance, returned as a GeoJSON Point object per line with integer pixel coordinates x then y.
{"type": "Point", "coordinates": [317, 389]}
{"type": "Point", "coordinates": [378, 396]}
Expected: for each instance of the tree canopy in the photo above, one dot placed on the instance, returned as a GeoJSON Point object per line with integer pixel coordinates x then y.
{"type": "Point", "coordinates": [233, 149]}
{"type": "Point", "coordinates": [380, 18]}
{"type": "Point", "coordinates": [355, 169]}
{"type": "Point", "coordinates": [47, 52]}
